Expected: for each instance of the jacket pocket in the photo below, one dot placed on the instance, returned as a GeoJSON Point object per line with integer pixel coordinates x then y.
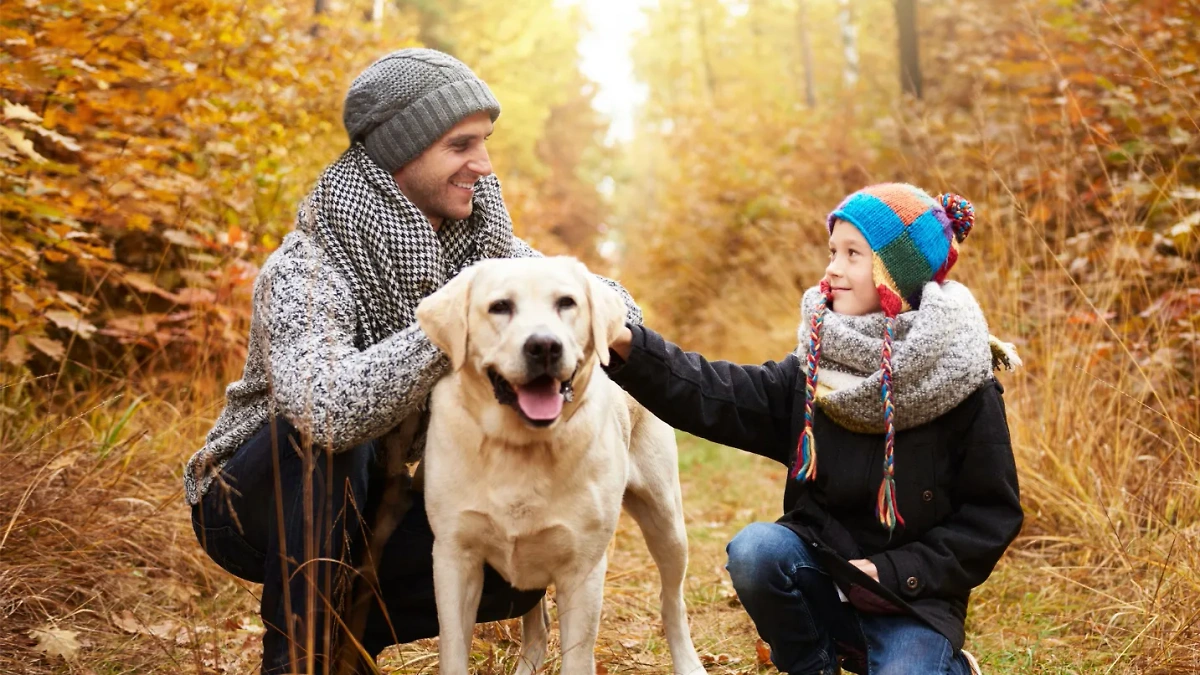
{"type": "Point", "coordinates": [919, 492]}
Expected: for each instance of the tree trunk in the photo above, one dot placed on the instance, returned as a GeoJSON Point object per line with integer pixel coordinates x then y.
{"type": "Point", "coordinates": [849, 43]}
{"type": "Point", "coordinates": [702, 28]}
{"type": "Point", "coordinates": [810, 92]}
{"type": "Point", "coordinates": [319, 7]}
{"type": "Point", "coordinates": [910, 60]}
{"type": "Point", "coordinates": [377, 12]}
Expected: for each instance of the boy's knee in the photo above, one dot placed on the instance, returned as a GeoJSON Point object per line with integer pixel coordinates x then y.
{"type": "Point", "coordinates": [760, 556]}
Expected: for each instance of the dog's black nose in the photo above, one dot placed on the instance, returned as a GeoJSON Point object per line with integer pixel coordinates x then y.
{"type": "Point", "coordinates": [544, 350]}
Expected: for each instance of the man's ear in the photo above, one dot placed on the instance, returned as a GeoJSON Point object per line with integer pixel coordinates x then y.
{"type": "Point", "coordinates": [608, 313]}
{"type": "Point", "coordinates": [443, 316]}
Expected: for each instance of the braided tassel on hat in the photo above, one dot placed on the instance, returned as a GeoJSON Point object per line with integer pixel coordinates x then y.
{"type": "Point", "coordinates": [885, 506]}
{"type": "Point", "coordinates": [805, 466]}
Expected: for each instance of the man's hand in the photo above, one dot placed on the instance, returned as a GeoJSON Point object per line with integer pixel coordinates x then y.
{"type": "Point", "coordinates": [624, 343]}
{"type": "Point", "coordinates": [867, 567]}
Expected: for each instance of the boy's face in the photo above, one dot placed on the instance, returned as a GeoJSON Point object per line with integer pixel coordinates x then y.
{"type": "Point", "coordinates": [850, 271]}
{"type": "Point", "coordinates": [441, 180]}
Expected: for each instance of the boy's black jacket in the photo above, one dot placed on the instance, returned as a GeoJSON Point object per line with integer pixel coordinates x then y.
{"type": "Point", "coordinates": [956, 481]}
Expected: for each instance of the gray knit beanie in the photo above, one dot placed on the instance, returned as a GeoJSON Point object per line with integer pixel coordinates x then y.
{"type": "Point", "coordinates": [406, 100]}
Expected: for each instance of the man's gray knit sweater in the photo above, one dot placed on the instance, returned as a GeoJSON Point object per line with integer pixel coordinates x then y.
{"type": "Point", "coordinates": [302, 349]}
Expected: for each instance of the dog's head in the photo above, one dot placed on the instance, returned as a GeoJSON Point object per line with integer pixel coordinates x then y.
{"type": "Point", "coordinates": [529, 326]}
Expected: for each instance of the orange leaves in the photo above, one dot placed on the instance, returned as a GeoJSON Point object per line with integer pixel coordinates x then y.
{"type": "Point", "coordinates": [118, 154]}
{"type": "Point", "coordinates": [147, 148]}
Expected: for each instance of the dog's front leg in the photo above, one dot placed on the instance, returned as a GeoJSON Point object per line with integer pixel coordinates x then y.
{"type": "Point", "coordinates": [457, 587]}
{"type": "Point", "coordinates": [579, 599]}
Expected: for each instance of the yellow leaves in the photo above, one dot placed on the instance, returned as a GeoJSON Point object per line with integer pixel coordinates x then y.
{"type": "Point", "coordinates": [165, 102]}
{"type": "Point", "coordinates": [53, 256]}
{"type": "Point", "coordinates": [138, 221]}
{"type": "Point", "coordinates": [17, 141]}
{"type": "Point", "coordinates": [182, 138]}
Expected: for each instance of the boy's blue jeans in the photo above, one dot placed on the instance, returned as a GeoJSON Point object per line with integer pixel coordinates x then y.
{"type": "Point", "coordinates": [796, 609]}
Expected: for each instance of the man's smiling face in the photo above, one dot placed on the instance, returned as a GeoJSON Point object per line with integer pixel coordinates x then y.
{"type": "Point", "coordinates": [441, 180]}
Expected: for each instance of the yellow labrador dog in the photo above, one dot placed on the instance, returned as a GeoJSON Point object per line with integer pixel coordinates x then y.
{"type": "Point", "coordinates": [531, 453]}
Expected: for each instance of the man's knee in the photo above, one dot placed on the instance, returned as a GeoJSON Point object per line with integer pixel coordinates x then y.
{"type": "Point", "coordinates": [507, 603]}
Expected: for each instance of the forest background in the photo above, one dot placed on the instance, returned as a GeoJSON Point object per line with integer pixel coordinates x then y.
{"type": "Point", "coordinates": [153, 153]}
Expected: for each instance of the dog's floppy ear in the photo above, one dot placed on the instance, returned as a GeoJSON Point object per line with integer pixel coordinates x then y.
{"type": "Point", "coordinates": [608, 313]}
{"type": "Point", "coordinates": [443, 316]}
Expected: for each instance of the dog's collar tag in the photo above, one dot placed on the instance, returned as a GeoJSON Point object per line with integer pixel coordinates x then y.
{"type": "Point", "coordinates": [568, 387]}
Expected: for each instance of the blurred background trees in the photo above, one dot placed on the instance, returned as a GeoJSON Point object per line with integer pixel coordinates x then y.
{"type": "Point", "coordinates": [153, 152]}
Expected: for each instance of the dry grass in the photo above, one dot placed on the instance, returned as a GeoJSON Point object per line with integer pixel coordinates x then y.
{"type": "Point", "coordinates": [96, 542]}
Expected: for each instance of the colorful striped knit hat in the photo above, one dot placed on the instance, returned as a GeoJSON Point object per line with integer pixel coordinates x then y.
{"type": "Point", "coordinates": [915, 239]}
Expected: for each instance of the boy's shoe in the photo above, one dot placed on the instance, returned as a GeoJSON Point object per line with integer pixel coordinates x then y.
{"type": "Point", "coordinates": [972, 662]}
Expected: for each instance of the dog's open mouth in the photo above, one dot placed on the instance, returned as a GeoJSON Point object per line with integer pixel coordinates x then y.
{"type": "Point", "coordinates": [540, 401]}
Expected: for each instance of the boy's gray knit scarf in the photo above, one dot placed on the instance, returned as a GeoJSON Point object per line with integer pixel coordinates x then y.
{"type": "Point", "coordinates": [941, 354]}
{"type": "Point", "coordinates": [384, 245]}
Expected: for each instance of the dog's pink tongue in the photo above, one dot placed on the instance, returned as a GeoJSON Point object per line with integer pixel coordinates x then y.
{"type": "Point", "coordinates": [540, 400]}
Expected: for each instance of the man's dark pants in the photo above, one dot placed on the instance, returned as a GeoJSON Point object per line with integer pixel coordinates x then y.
{"type": "Point", "coordinates": [237, 524]}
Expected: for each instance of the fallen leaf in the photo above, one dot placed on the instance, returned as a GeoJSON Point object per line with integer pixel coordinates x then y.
{"type": "Point", "coordinates": [63, 461]}
{"type": "Point", "coordinates": [763, 652]}
{"type": "Point", "coordinates": [21, 144]}
{"type": "Point", "coordinates": [194, 296]}
{"type": "Point", "coordinates": [72, 322]}
{"type": "Point", "coordinates": [145, 284]}
{"type": "Point", "coordinates": [181, 238]}
{"type": "Point", "coordinates": [56, 642]}
{"type": "Point", "coordinates": [15, 351]}
{"type": "Point", "coordinates": [52, 348]}
{"type": "Point", "coordinates": [127, 622]}
{"type": "Point", "coordinates": [16, 111]}
{"type": "Point", "coordinates": [61, 140]}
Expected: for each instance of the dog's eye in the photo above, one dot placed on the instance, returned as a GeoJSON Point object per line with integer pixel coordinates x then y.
{"type": "Point", "coordinates": [500, 307]}
{"type": "Point", "coordinates": [565, 302]}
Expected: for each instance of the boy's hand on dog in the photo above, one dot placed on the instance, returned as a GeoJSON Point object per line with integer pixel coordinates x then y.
{"type": "Point", "coordinates": [623, 344]}
{"type": "Point", "coordinates": [867, 567]}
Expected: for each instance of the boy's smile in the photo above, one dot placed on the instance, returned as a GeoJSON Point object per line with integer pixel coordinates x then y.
{"type": "Point", "coordinates": [851, 271]}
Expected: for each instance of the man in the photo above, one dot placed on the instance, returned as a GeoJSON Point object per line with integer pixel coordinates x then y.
{"type": "Point", "coordinates": [304, 467]}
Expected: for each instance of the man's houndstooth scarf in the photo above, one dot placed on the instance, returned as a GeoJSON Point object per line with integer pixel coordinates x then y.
{"type": "Point", "coordinates": [384, 246]}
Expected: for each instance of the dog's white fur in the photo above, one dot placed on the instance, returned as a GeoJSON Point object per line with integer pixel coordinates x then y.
{"type": "Point", "coordinates": [540, 504]}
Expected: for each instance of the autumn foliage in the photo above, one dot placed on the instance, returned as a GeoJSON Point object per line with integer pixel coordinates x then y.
{"type": "Point", "coordinates": [154, 152]}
